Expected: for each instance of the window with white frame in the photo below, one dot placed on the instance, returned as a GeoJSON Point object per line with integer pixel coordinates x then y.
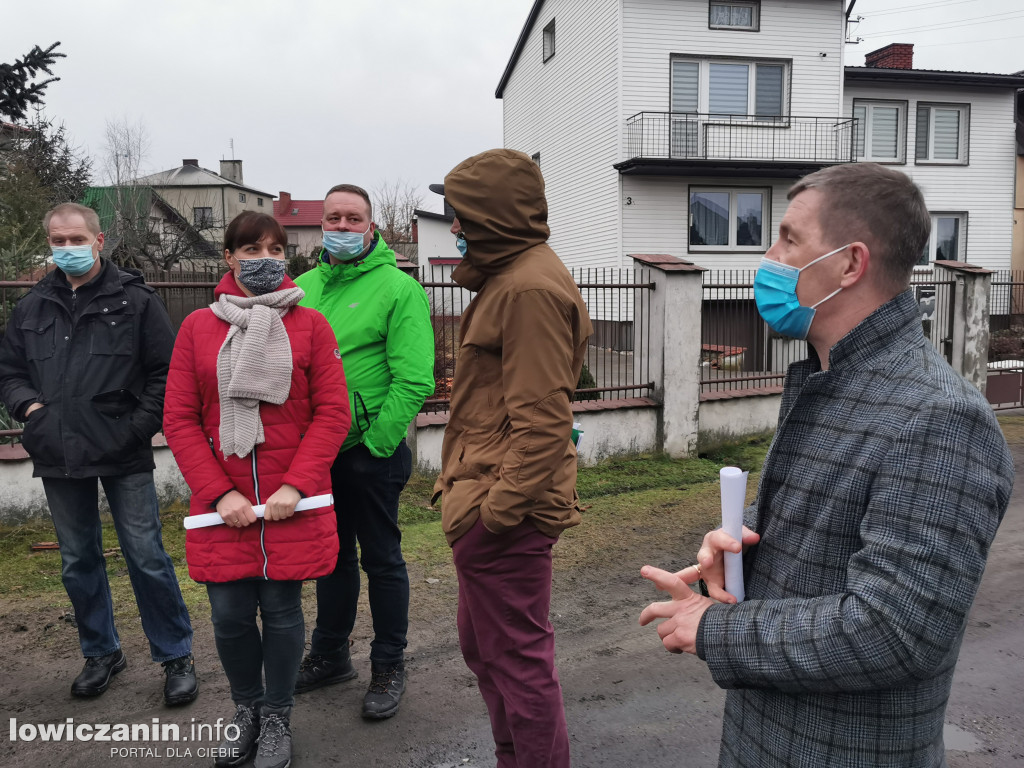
{"type": "Point", "coordinates": [241, 197]}
{"type": "Point", "coordinates": [942, 131]}
{"type": "Point", "coordinates": [728, 218]}
{"type": "Point", "coordinates": [881, 130]}
{"type": "Point", "coordinates": [947, 240]}
{"type": "Point", "coordinates": [549, 40]}
{"type": "Point", "coordinates": [729, 87]}
{"type": "Point", "coordinates": [739, 14]}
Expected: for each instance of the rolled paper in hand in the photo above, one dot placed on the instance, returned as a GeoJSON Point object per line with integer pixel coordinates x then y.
{"type": "Point", "coordinates": [213, 518]}
{"type": "Point", "coordinates": [734, 498]}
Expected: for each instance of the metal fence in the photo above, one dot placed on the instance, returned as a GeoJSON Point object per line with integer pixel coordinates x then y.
{"type": "Point", "coordinates": [1005, 381]}
{"type": "Point", "coordinates": [778, 138]}
{"type": "Point", "coordinates": [740, 352]}
{"type": "Point", "coordinates": [618, 358]}
{"type": "Point", "coordinates": [618, 300]}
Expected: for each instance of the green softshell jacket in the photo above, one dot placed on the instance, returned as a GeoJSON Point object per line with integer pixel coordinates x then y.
{"type": "Point", "coordinates": [381, 318]}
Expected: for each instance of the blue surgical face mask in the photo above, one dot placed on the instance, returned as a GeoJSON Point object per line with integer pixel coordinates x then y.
{"type": "Point", "coordinates": [775, 295]}
{"type": "Point", "coordinates": [74, 260]}
{"type": "Point", "coordinates": [345, 246]}
{"type": "Point", "coordinates": [261, 276]}
{"type": "Point", "coordinates": [461, 244]}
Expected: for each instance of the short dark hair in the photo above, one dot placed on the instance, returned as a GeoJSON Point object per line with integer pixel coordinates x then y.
{"type": "Point", "coordinates": [251, 227]}
{"type": "Point", "coordinates": [352, 189]}
{"type": "Point", "coordinates": [878, 206]}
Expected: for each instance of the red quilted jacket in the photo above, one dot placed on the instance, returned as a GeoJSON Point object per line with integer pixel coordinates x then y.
{"type": "Point", "coordinates": [302, 440]}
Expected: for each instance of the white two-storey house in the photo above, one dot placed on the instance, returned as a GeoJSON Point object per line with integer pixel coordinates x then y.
{"type": "Point", "coordinates": [677, 126]}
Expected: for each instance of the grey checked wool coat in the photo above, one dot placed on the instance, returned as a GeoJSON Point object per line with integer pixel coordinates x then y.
{"type": "Point", "coordinates": [878, 501]}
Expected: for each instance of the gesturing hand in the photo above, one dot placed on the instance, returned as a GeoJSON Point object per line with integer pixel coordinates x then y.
{"type": "Point", "coordinates": [682, 613]}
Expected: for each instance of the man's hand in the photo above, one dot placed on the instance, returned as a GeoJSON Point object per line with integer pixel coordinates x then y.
{"type": "Point", "coordinates": [712, 563]}
{"type": "Point", "coordinates": [682, 613]}
{"type": "Point", "coordinates": [235, 510]}
{"type": "Point", "coordinates": [281, 504]}
{"type": "Point", "coordinates": [33, 407]}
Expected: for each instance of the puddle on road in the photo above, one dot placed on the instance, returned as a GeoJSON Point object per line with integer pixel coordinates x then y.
{"type": "Point", "coordinates": [958, 739]}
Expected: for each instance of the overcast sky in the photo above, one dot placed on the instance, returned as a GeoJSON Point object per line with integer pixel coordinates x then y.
{"type": "Point", "coordinates": [316, 92]}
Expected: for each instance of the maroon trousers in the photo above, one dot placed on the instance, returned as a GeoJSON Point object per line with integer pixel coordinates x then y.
{"type": "Point", "coordinates": [509, 644]}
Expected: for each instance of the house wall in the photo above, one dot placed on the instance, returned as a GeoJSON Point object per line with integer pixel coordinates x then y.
{"type": "Point", "coordinates": [656, 219]}
{"type": "Point", "coordinates": [435, 240]}
{"type": "Point", "coordinates": [985, 187]}
{"type": "Point", "coordinates": [567, 110]}
{"type": "Point", "coordinates": [223, 199]}
{"type": "Point", "coordinates": [306, 239]}
{"type": "Point", "coordinates": [797, 30]}
{"type": "Point", "coordinates": [1017, 260]}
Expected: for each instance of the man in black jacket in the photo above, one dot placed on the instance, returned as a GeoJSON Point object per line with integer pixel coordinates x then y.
{"type": "Point", "coordinates": [83, 363]}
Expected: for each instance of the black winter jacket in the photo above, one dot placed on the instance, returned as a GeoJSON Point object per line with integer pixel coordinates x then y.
{"type": "Point", "coordinates": [100, 374]}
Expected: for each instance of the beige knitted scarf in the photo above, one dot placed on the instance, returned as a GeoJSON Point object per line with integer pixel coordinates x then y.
{"type": "Point", "coordinates": [254, 364]}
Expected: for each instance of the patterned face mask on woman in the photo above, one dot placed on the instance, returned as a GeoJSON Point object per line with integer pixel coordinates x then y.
{"type": "Point", "coordinates": [261, 276]}
{"type": "Point", "coordinates": [776, 299]}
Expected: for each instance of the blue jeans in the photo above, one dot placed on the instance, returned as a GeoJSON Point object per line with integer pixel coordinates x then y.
{"type": "Point", "coordinates": [246, 655]}
{"type": "Point", "coordinates": [74, 507]}
{"type": "Point", "coordinates": [366, 490]}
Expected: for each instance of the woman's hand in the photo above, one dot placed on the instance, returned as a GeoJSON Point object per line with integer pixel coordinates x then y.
{"type": "Point", "coordinates": [281, 504]}
{"type": "Point", "coordinates": [235, 510]}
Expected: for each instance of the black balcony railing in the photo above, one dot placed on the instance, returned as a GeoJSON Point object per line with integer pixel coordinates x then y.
{"type": "Point", "coordinates": [702, 136]}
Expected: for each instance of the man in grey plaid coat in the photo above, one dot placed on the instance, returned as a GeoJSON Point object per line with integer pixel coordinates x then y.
{"type": "Point", "coordinates": [881, 493]}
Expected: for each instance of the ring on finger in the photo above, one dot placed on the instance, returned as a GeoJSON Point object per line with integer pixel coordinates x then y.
{"type": "Point", "coordinates": [699, 574]}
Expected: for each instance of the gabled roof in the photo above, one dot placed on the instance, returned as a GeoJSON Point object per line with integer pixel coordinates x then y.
{"type": "Point", "coordinates": [520, 44]}
{"type": "Point", "coordinates": [299, 213]}
{"type": "Point", "coordinates": [932, 77]}
{"type": "Point", "coordinates": [524, 35]}
{"type": "Point", "coordinates": [194, 176]}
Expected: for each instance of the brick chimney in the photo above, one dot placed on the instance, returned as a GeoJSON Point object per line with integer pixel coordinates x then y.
{"type": "Point", "coordinates": [284, 203]}
{"type": "Point", "coordinates": [893, 56]}
{"type": "Point", "coordinates": [231, 170]}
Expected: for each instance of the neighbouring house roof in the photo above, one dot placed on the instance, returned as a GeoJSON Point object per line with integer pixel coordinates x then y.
{"type": "Point", "coordinates": [299, 213]}
{"type": "Point", "coordinates": [194, 176]}
{"type": "Point", "coordinates": [449, 218]}
{"type": "Point", "coordinates": [932, 77]}
{"type": "Point", "coordinates": [139, 200]}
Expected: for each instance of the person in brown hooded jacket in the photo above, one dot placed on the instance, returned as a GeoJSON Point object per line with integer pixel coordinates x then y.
{"type": "Point", "coordinates": [508, 465]}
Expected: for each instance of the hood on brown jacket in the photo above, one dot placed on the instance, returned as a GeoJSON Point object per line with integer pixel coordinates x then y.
{"type": "Point", "coordinates": [498, 197]}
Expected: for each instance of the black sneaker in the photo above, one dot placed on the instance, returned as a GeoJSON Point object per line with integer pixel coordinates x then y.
{"type": "Point", "coordinates": [387, 684]}
{"type": "Point", "coordinates": [316, 671]}
{"type": "Point", "coordinates": [239, 750]}
{"type": "Point", "coordinates": [181, 685]}
{"type": "Point", "coordinates": [275, 747]}
{"type": "Point", "coordinates": [96, 674]}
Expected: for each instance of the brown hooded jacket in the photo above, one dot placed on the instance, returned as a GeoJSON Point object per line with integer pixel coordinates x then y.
{"type": "Point", "coordinates": [507, 454]}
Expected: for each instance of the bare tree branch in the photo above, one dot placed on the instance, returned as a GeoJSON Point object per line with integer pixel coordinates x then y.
{"type": "Point", "coordinates": [393, 206]}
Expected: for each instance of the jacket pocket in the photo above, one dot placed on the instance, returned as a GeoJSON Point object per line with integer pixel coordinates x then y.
{"type": "Point", "coordinates": [112, 335]}
{"type": "Point", "coordinates": [39, 338]}
{"type": "Point", "coordinates": [462, 500]}
{"type": "Point", "coordinates": [41, 438]}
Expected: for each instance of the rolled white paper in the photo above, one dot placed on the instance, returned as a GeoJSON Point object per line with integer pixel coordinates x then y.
{"type": "Point", "coordinates": [213, 518]}
{"type": "Point", "coordinates": [734, 498]}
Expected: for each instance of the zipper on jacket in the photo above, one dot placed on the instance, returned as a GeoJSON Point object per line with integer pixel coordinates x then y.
{"type": "Point", "coordinates": [263, 520]}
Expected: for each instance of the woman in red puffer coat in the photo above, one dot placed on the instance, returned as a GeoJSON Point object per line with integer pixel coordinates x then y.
{"type": "Point", "coordinates": [255, 412]}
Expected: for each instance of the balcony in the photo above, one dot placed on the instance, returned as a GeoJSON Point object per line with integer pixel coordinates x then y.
{"type": "Point", "coordinates": [683, 144]}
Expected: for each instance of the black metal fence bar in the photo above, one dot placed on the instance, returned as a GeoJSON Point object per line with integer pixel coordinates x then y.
{"type": "Point", "coordinates": [705, 136]}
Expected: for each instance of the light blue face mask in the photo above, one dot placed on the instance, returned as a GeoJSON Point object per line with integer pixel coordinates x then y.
{"type": "Point", "coordinates": [345, 246]}
{"type": "Point", "coordinates": [74, 260]}
{"type": "Point", "coordinates": [775, 295]}
{"type": "Point", "coordinates": [462, 245]}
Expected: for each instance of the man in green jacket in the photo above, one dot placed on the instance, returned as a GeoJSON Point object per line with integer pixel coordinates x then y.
{"type": "Point", "coordinates": [381, 318]}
